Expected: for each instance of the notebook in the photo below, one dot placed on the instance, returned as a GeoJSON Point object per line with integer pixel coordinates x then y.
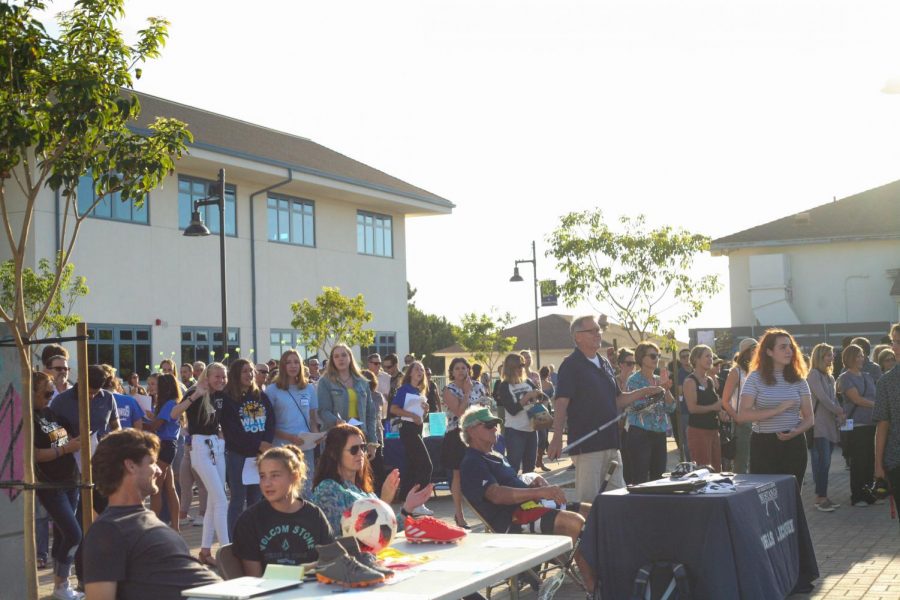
{"type": "Point", "coordinates": [240, 588]}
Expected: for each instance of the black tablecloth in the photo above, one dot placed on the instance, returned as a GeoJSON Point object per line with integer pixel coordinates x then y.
{"type": "Point", "coordinates": [752, 543]}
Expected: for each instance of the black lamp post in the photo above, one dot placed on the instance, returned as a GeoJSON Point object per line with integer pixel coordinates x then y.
{"type": "Point", "coordinates": [537, 303]}
{"type": "Point", "coordinates": [215, 197]}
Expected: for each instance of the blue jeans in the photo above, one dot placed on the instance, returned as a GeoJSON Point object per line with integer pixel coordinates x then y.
{"type": "Point", "coordinates": [41, 531]}
{"type": "Point", "coordinates": [820, 455]}
{"type": "Point", "coordinates": [521, 449]}
{"type": "Point", "coordinates": [60, 505]}
{"type": "Point", "coordinates": [242, 495]}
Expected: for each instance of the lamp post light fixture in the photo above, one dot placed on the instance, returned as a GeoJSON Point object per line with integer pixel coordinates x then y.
{"type": "Point", "coordinates": [215, 197]}
{"type": "Point", "coordinates": [537, 302]}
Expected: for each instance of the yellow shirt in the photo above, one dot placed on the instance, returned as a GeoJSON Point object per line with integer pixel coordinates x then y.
{"type": "Point", "coordinates": [353, 410]}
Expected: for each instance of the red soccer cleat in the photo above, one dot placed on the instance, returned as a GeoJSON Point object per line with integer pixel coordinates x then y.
{"type": "Point", "coordinates": [423, 530]}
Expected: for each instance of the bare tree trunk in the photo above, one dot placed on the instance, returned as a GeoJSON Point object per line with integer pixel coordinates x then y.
{"type": "Point", "coordinates": [31, 582]}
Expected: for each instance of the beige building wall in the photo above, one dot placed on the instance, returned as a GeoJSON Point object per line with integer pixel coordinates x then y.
{"type": "Point", "coordinates": [830, 283]}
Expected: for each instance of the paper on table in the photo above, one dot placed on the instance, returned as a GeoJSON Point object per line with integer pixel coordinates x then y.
{"type": "Point", "coordinates": [456, 566]}
{"type": "Point", "coordinates": [514, 541]}
{"type": "Point", "coordinates": [250, 474]}
{"type": "Point", "coordinates": [288, 572]}
{"type": "Point", "coordinates": [145, 402]}
{"type": "Point", "coordinates": [310, 440]}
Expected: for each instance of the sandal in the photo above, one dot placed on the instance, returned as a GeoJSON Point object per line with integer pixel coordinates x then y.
{"type": "Point", "coordinates": [462, 523]}
{"type": "Point", "coordinates": [206, 558]}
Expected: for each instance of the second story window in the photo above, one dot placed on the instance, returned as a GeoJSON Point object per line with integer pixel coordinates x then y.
{"type": "Point", "coordinates": [110, 206]}
{"type": "Point", "coordinates": [374, 234]}
{"type": "Point", "coordinates": [291, 220]}
{"type": "Point", "coordinates": [191, 189]}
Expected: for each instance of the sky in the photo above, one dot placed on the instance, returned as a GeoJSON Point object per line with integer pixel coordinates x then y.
{"type": "Point", "coordinates": [714, 116]}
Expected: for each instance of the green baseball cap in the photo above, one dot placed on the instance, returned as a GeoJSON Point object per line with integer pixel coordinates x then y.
{"type": "Point", "coordinates": [482, 415]}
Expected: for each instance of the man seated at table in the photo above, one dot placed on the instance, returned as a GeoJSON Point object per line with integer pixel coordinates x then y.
{"type": "Point", "coordinates": [507, 503]}
{"type": "Point", "coordinates": [129, 554]}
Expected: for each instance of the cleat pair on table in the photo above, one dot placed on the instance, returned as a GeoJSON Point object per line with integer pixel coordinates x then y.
{"type": "Point", "coordinates": [343, 563]}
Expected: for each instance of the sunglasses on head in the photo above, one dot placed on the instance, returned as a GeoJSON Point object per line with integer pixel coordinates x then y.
{"type": "Point", "coordinates": [356, 449]}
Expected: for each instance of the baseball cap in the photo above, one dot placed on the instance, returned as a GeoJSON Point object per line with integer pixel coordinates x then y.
{"type": "Point", "coordinates": [482, 415]}
{"type": "Point", "coordinates": [746, 343]}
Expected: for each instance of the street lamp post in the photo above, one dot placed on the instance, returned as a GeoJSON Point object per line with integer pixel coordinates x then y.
{"type": "Point", "coordinates": [215, 197]}
{"type": "Point", "coordinates": [537, 300]}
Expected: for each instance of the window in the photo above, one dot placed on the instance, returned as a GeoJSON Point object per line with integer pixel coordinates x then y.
{"type": "Point", "coordinates": [205, 343]}
{"type": "Point", "coordinates": [291, 221]}
{"type": "Point", "coordinates": [374, 234]}
{"type": "Point", "coordinates": [191, 189]}
{"type": "Point", "coordinates": [125, 347]}
{"type": "Point", "coordinates": [111, 206]}
{"type": "Point", "coordinates": [281, 340]}
{"type": "Point", "coordinates": [385, 343]}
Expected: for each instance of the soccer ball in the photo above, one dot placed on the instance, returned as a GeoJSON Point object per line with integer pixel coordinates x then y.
{"type": "Point", "coordinates": [372, 522]}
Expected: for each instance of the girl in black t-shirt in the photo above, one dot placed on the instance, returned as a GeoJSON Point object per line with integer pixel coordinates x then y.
{"type": "Point", "coordinates": [53, 450]}
{"type": "Point", "coordinates": [283, 528]}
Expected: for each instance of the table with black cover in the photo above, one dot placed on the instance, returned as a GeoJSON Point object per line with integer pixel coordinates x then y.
{"type": "Point", "coordinates": [752, 543]}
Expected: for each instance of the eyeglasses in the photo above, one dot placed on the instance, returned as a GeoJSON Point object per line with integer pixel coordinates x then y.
{"type": "Point", "coordinates": [652, 356]}
{"type": "Point", "coordinates": [374, 362]}
{"type": "Point", "coordinates": [60, 369]}
{"type": "Point", "coordinates": [263, 371]}
{"type": "Point", "coordinates": [354, 450]}
{"type": "Point", "coordinates": [629, 363]}
{"type": "Point", "coordinates": [490, 425]}
{"type": "Point", "coordinates": [595, 331]}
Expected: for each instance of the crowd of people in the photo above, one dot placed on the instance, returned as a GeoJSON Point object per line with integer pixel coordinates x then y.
{"type": "Point", "coordinates": [209, 425]}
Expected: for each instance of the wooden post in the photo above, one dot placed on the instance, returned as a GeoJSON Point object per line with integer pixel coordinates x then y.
{"type": "Point", "coordinates": [84, 428]}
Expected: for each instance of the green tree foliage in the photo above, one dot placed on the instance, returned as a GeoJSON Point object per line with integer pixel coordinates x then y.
{"type": "Point", "coordinates": [427, 334]}
{"type": "Point", "coordinates": [482, 335]}
{"type": "Point", "coordinates": [37, 286]}
{"type": "Point", "coordinates": [332, 319]}
{"type": "Point", "coordinates": [64, 111]}
{"type": "Point", "coordinates": [642, 275]}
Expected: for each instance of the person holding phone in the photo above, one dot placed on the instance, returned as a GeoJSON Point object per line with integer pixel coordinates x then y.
{"type": "Point", "coordinates": [647, 418]}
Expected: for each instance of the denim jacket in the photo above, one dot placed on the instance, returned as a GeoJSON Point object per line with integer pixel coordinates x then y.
{"type": "Point", "coordinates": [333, 401]}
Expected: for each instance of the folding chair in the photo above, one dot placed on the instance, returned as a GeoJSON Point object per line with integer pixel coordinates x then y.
{"type": "Point", "coordinates": [229, 565]}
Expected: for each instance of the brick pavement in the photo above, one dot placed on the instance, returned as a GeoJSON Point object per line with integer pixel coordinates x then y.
{"type": "Point", "coordinates": [858, 549]}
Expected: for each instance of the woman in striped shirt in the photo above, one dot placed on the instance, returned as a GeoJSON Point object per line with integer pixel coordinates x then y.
{"type": "Point", "coordinates": [776, 398]}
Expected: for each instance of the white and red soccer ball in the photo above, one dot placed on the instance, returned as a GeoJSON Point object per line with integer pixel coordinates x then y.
{"type": "Point", "coordinates": [372, 522]}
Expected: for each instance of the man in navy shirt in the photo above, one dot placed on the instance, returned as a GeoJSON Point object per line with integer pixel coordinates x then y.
{"type": "Point", "coordinates": [504, 500]}
{"type": "Point", "coordinates": [586, 398]}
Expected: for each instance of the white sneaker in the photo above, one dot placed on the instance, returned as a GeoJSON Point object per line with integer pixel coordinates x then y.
{"type": "Point", "coordinates": [422, 511]}
{"type": "Point", "coordinates": [187, 520]}
{"type": "Point", "coordinates": [64, 592]}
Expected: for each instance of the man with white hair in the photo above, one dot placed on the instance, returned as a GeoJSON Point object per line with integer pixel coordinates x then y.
{"type": "Point", "coordinates": [586, 398]}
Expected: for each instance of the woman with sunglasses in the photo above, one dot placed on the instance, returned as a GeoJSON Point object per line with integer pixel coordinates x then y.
{"type": "Point", "coordinates": [344, 475]}
{"type": "Point", "coordinates": [647, 418]}
{"type": "Point", "coordinates": [248, 425]}
{"type": "Point", "coordinates": [516, 393]}
{"type": "Point", "coordinates": [203, 406]}
{"type": "Point", "coordinates": [54, 463]}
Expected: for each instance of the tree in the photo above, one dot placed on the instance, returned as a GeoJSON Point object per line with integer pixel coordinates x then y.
{"type": "Point", "coordinates": [36, 288]}
{"type": "Point", "coordinates": [482, 335]}
{"type": "Point", "coordinates": [333, 319]}
{"type": "Point", "coordinates": [641, 276]}
{"type": "Point", "coordinates": [64, 112]}
{"type": "Point", "coordinates": [427, 334]}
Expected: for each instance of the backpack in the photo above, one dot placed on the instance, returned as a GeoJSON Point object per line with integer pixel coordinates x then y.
{"type": "Point", "coordinates": [661, 580]}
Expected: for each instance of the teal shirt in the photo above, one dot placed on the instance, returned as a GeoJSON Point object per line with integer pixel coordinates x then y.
{"type": "Point", "coordinates": [653, 419]}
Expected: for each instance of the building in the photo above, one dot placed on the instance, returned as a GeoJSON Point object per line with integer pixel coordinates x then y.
{"type": "Point", "coordinates": [299, 216]}
{"type": "Point", "coordinates": [824, 273]}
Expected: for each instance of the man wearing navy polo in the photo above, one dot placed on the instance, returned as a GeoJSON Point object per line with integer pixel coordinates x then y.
{"type": "Point", "coordinates": [586, 397]}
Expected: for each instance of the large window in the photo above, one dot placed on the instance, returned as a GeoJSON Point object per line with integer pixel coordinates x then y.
{"type": "Point", "coordinates": [281, 340]}
{"type": "Point", "coordinates": [374, 234]}
{"type": "Point", "coordinates": [110, 206]}
{"type": "Point", "coordinates": [385, 343]}
{"type": "Point", "coordinates": [205, 343]}
{"type": "Point", "coordinates": [191, 189]}
{"type": "Point", "coordinates": [125, 347]}
{"type": "Point", "coordinates": [291, 221]}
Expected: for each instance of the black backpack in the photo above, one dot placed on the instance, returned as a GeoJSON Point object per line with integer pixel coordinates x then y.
{"type": "Point", "coordinates": [661, 580]}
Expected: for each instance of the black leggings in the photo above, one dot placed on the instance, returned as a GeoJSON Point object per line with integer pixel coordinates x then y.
{"type": "Point", "coordinates": [646, 452]}
{"type": "Point", "coordinates": [862, 461]}
{"type": "Point", "coordinates": [418, 463]}
{"type": "Point", "coordinates": [771, 456]}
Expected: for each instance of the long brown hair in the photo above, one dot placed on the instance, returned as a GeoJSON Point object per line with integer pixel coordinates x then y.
{"type": "Point", "coordinates": [511, 365]}
{"type": "Point", "coordinates": [283, 382]}
{"type": "Point", "coordinates": [407, 377]}
{"type": "Point", "coordinates": [329, 464]}
{"type": "Point", "coordinates": [233, 387]}
{"type": "Point", "coordinates": [331, 371]}
{"type": "Point", "coordinates": [291, 457]}
{"type": "Point", "coordinates": [763, 363]}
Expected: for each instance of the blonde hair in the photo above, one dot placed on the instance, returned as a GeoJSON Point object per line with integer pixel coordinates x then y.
{"type": "Point", "coordinates": [817, 358]}
{"type": "Point", "coordinates": [331, 371]}
{"type": "Point", "coordinates": [697, 351]}
{"type": "Point", "coordinates": [282, 380]}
